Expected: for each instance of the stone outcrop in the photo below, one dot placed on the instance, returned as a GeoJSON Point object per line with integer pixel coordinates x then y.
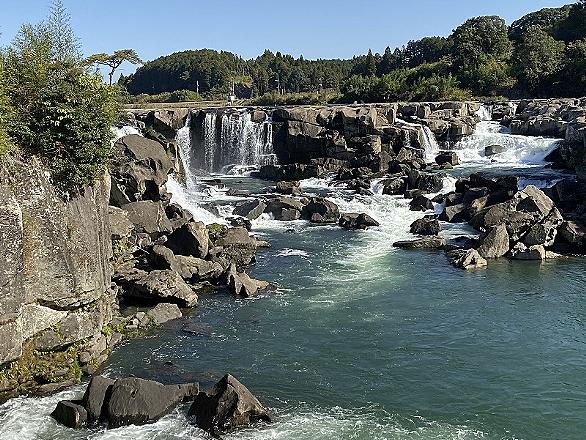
{"type": "Point", "coordinates": [229, 405]}
{"type": "Point", "coordinates": [55, 295]}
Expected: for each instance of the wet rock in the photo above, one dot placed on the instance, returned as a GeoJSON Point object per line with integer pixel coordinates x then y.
{"type": "Point", "coordinates": [240, 284]}
{"type": "Point", "coordinates": [71, 414]}
{"type": "Point", "coordinates": [428, 225]}
{"type": "Point", "coordinates": [357, 221]}
{"type": "Point", "coordinates": [236, 245]}
{"type": "Point", "coordinates": [522, 252]}
{"type": "Point", "coordinates": [421, 203]}
{"type": "Point", "coordinates": [496, 242]}
{"type": "Point", "coordinates": [134, 401]}
{"type": "Point", "coordinates": [190, 239]}
{"type": "Point", "coordinates": [229, 405]}
{"type": "Point", "coordinates": [466, 259]}
{"type": "Point", "coordinates": [191, 269]}
{"type": "Point", "coordinates": [164, 312]}
{"type": "Point", "coordinates": [447, 157]}
{"type": "Point", "coordinates": [285, 208]}
{"type": "Point", "coordinates": [155, 286]}
{"type": "Point", "coordinates": [395, 186]}
{"type": "Point", "coordinates": [94, 397]}
{"type": "Point", "coordinates": [491, 150]}
{"type": "Point", "coordinates": [574, 234]}
{"type": "Point", "coordinates": [422, 243]}
{"type": "Point", "coordinates": [320, 210]}
{"type": "Point", "coordinates": [251, 209]}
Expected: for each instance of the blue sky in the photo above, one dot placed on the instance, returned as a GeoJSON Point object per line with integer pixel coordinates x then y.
{"type": "Point", "coordinates": [314, 28]}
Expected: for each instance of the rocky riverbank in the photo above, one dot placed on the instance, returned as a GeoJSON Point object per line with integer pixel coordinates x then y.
{"type": "Point", "coordinates": [78, 258]}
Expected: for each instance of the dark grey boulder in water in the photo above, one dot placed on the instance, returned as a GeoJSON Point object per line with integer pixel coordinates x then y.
{"type": "Point", "coordinates": [227, 406]}
{"type": "Point", "coordinates": [122, 402]}
{"type": "Point", "coordinates": [447, 157]}
{"type": "Point", "coordinates": [421, 203]}
{"type": "Point", "coordinates": [491, 150]}
{"type": "Point", "coordinates": [427, 225]}
{"type": "Point", "coordinates": [422, 243]}
{"type": "Point", "coordinates": [71, 414]}
{"type": "Point", "coordinates": [357, 221]}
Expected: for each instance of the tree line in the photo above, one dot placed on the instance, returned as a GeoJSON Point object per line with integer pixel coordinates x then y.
{"type": "Point", "coordinates": [540, 55]}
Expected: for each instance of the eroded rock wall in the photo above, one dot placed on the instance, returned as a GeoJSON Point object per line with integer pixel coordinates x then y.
{"type": "Point", "coordinates": [55, 296]}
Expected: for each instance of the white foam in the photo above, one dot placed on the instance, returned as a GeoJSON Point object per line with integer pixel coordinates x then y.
{"type": "Point", "coordinates": [286, 252]}
{"type": "Point", "coordinates": [126, 130]}
{"type": "Point", "coordinates": [192, 202]}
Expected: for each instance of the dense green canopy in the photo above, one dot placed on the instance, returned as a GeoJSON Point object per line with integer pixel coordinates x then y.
{"type": "Point", "coordinates": [536, 56]}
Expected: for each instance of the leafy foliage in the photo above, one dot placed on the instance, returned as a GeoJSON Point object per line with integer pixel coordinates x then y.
{"type": "Point", "coordinates": [64, 111]}
{"type": "Point", "coordinates": [115, 60]}
{"type": "Point", "coordinates": [6, 113]}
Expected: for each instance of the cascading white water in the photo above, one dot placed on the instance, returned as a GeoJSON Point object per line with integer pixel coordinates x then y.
{"type": "Point", "coordinates": [183, 142]}
{"type": "Point", "coordinates": [237, 143]}
{"type": "Point", "coordinates": [517, 150]}
{"type": "Point", "coordinates": [426, 139]}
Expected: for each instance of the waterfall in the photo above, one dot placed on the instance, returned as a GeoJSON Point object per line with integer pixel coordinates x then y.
{"type": "Point", "coordinates": [233, 143]}
{"type": "Point", "coordinates": [183, 142]}
{"type": "Point", "coordinates": [426, 138]}
{"type": "Point", "coordinates": [485, 112]}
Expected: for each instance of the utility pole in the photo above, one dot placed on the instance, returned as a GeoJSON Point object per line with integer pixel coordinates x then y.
{"type": "Point", "coordinates": [197, 86]}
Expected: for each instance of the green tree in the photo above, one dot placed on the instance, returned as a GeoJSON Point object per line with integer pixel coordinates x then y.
{"type": "Point", "coordinates": [573, 74]}
{"type": "Point", "coordinates": [538, 58]}
{"type": "Point", "coordinates": [64, 111]}
{"type": "Point", "coordinates": [115, 60]}
{"type": "Point", "coordinates": [5, 115]}
{"type": "Point", "coordinates": [481, 50]}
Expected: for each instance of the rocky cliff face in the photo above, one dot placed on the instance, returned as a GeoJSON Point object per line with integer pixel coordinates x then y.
{"type": "Point", "coordinates": [55, 296]}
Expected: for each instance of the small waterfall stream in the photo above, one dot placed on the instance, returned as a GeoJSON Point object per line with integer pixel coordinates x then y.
{"type": "Point", "coordinates": [426, 138]}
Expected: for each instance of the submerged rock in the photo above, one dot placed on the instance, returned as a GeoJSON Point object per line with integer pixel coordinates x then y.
{"type": "Point", "coordinates": [466, 259]}
{"type": "Point", "coordinates": [422, 243]}
{"type": "Point", "coordinates": [227, 406]}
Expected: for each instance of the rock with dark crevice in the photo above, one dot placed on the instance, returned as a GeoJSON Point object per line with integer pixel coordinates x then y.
{"type": "Point", "coordinates": [229, 405]}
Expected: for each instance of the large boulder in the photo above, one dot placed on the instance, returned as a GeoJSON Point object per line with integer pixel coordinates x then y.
{"type": "Point", "coordinates": [251, 209]}
{"type": "Point", "coordinates": [522, 252]}
{"type": "Point", "coordinates": [357, 221]}
{"type": "Point", "coordinates": [149, 217]}
{"type": "Point", "coordinates": [447, 157]}
{"type": "Point", "coordinates": [229, 405]}
{"type": "Point", "coordinates": [156, 286]}
{"type": "Point", "coordinates": [240, 284]}
{"type": "Point", "coordinates": [95, 396]}
{"type": "Point", "coordinates": [285, 208]}
{"type": "Point", "coordinates": [190, 239]}
{"type": "Point", "coordinates": [190, 268]}
{"type": "Point", "coordinates": [139, 170]}
{"type": "Point", "coordinates": [134, 401]}
{"type": "Point", "coordinates": [427, 225]}
{"type": "Point", "coordinates": [496, 242]}
{"type": "Point", "coordinates": [123, 402]}
{"type": "Point", "coordinates": [71, 414]}
{"type": "Point", "coordinates": [422, 243]}
{"type": "Point", "coordinates": [320, 210]}
{"type": "Point", "coordinates": [421, 203]}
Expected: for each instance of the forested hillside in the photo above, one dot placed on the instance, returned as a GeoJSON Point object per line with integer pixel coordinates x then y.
{"type": "Point", "coordinates": [541, 54]}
